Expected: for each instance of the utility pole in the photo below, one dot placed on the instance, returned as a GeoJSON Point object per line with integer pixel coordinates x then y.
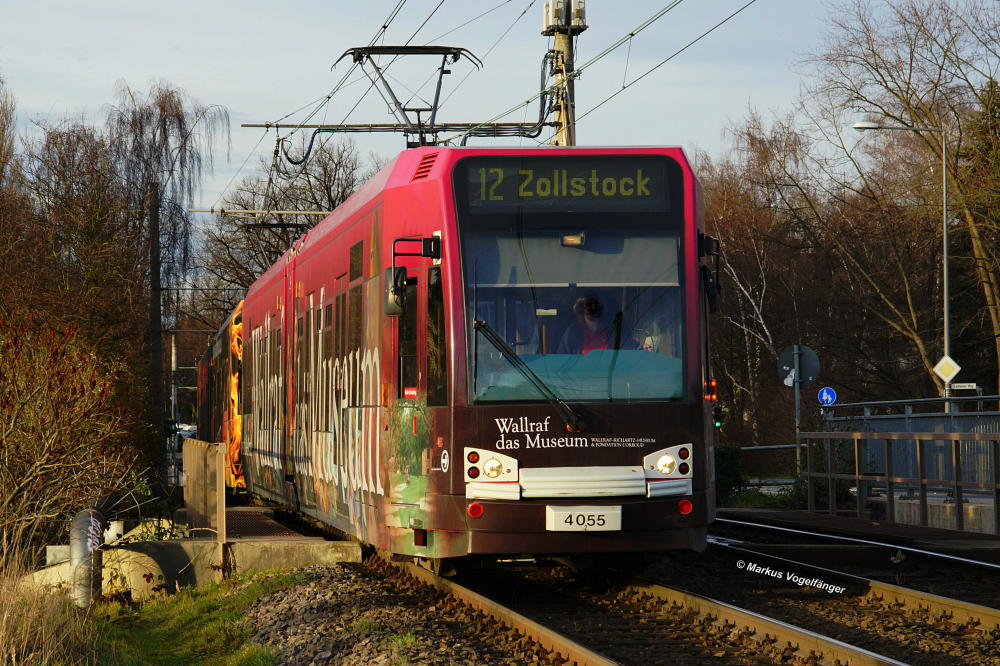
{"type": "Point", "coordinates": [564, 19]}
{"type": "Point", "coordinates": [155, 316]}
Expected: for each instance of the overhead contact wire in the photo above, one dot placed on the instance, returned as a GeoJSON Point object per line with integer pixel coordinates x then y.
{"type": "Point", "coordinates": [645, 24]}
{"type": "Point", "coordinates": [665, 60]}
{"type": "Point", "coordinates": [323, 101]}
{"type": "Point", "coordinates": [471, 20]}
{"type": "Point", "coordinates": [491, 49]}
{"type": "Point", "coordinates": [486, 55]}
{"type": "Point", "coordinates": [326, 99]}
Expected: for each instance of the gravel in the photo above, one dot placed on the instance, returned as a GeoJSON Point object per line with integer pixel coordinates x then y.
{"type": "Point", "coordinates": [350, 614]}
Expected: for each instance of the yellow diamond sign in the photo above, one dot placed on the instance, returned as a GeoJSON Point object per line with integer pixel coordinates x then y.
{"type": "Point", "coordinates": [946, 368]}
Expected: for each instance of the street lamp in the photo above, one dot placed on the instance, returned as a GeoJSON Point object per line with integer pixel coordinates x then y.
{"type": "Point", "coordinates": [865, 125]}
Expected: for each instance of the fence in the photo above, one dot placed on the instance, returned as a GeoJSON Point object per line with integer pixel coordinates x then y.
{"type": "Point", "coordinates": [964, 414]}
{"type": "Point", "coordinates": [205, 488]}
{"type": "Point", "coordinates": [935, 494]}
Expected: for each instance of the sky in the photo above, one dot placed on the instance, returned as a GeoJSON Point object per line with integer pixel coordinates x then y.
{"type": "Point", "coordinates": [263, 61]}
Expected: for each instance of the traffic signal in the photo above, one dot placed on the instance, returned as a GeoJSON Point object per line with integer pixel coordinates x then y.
{"type": "Point", "coordinates": [718, 415]}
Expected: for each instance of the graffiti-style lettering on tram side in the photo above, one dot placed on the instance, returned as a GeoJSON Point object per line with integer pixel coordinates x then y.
{"type": "Point", "coordinates": [341, 453]}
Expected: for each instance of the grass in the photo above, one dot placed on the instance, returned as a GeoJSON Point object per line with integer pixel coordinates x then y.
{"type": "Point", "coordinates": [366, 627]}
{"type": "Point", "coordinates": [752, 498]}
{"type": "Point", "coordinates": [39, 626]}
{"type": "Point", "coordinates": [402, 641]}
{"type": "Point", "coordinates": [194, 626]}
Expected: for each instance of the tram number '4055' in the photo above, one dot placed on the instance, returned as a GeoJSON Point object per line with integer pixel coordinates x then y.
{"type": "Point", "coordinates": [583, 518]}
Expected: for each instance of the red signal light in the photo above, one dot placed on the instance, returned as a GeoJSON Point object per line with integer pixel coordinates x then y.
{"type": "Point", "coordinates": [683, 453]}
{"type": "Point", "coordinates": [473, 472]}
{"type": "Point", "coordinates": [685, 507]}
{"type": "Point", "coordinates": [684, 468]}
{"type": "Point", "coordinates": [475, 510]}
{"type": "Point", "coordinates": [473, 457]}
{"type": "Point", "coordinates": [711, 390]}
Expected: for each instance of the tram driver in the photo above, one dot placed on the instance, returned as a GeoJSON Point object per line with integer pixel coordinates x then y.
{"type": "Point", "coordinates": [591, 330]}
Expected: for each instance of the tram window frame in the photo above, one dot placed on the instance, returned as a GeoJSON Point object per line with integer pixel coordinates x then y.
{"type": "Point", "coordinates": [437, 340]}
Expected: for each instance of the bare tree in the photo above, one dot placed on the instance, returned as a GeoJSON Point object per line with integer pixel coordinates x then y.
{"type": "Point", "coordinates": [7, 107]}
{"type": "Point", "coordinates": [63, 440]}
{"type": "Point", "coordinates": [89, 247]}
{"type": "Point", "coordinates": [237, 249]}
{"type": "Point", "coordinates": [161, 142]}
{"type": "Point", "coordinates": [923, 63]}
{"type": "Point", "coordinates": [863, 219]}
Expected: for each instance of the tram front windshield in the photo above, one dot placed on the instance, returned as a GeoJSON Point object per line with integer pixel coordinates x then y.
{"type": "Point", "coordinates": [572, 274]}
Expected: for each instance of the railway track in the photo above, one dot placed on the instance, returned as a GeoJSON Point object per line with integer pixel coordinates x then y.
{"type": "Point", "coordinates": [954, 610]}
{"type": "Point", "coordinates": [911, 625]}
{"type": "Point", "coordinates": [966, 579]}
{"type": "Point", "coordinates": [636, 622]}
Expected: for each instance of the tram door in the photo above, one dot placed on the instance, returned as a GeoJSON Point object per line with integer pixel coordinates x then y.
{"type": "Point", "coordinates": [436, 379]}
{"type": "Point", "coordinates": [420, 455]}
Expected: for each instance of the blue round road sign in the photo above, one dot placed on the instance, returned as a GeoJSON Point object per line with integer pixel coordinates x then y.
{"type": "Point", "coordinates": [827, 396]}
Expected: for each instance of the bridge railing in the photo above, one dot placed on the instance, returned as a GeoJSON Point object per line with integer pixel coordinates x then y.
{"type": "Point", "coordinates": [860, 474]}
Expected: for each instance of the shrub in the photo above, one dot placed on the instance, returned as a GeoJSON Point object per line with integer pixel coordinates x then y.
{"type": "Point", "coordinates": [63, 440]}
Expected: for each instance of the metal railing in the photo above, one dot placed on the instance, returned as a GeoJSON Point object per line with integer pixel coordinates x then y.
{"type": "Point", "coordinates": [952, 414]}
{"type": "Point", "coordinates": [828, 454]}
{"type": "Point", "coordinates": [205, 488]}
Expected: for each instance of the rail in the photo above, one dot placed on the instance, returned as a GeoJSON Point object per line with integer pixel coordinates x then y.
{"type": "Point", "coordinates": [822, 649]}
{"type": "Point", "coordinates": [956, 609]}
{"type": "Point", "coordinates": [808, 644]}
{"type": "Point", "coordinates": [865, 488]}
{"type": "Point", "coordinates": [563, 646]}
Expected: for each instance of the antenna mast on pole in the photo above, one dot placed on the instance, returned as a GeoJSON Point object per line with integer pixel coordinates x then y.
{"type": "Point", "coordinates": [564, 19]}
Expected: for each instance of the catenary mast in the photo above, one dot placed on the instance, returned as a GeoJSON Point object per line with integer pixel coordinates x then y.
{"type": "Point", "coordinates": [564, 19]}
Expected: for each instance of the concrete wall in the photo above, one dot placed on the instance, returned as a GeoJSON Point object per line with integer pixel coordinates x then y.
{"type": "Point", "coordinates": [978, 517]}
{"type": "Point", "coordinates": [147, 569]}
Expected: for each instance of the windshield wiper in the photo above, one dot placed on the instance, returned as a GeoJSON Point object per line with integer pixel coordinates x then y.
{"type": "Point", "coordinates": [566, 413]}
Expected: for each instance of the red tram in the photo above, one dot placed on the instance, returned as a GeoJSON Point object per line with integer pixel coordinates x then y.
{"type": "Point", "coordinates": [489, 351]}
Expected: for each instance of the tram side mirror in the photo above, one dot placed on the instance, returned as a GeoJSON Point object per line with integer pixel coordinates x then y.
{"type": "Point", "coordinates": [713, 290]}
{"type": "Point", "coordinates": [395, 291]}
{"type": "Point", "coordinates": [709, 246]}
{"type": "Point", "coordinates": [430, 247]}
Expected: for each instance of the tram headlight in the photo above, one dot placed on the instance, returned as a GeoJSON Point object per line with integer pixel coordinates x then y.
{"type": "Point", "coordinates": [492, 468]}
{"type": "Point", "coordinates": [666, 464]}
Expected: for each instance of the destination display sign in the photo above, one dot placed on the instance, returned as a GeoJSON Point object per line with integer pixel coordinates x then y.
{"type": "Point", "coordinates": [570, 184]}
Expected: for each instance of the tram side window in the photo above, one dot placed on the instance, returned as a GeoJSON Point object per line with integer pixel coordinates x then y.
{"type": "Point", "coordinates": [356, 264]}
{"type": "Point", "coordinates": [328, 350]}
{"type": "Point", "coordinates": [408, 341]}
{"type": "Point", "coordinates": [313, 322]}
{"type": "Point", "coordinates": [341, 324]}
{"type": "Point", "coordinates": [299, 344]}
{"type": "Point", "coordinates": [437, 353]}
{"type": "Point", "coordinates": [354, 316]}
{"type": "Point", "coordinates": [246, 371]}
{"type": "Point", "coordinates": [327, 361]}
{"type": "Point", "coordinates": [277, 406]}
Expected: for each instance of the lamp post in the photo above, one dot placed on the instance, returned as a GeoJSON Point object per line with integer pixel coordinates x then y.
{"type": "Point", "coordinates": [864, 126]}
